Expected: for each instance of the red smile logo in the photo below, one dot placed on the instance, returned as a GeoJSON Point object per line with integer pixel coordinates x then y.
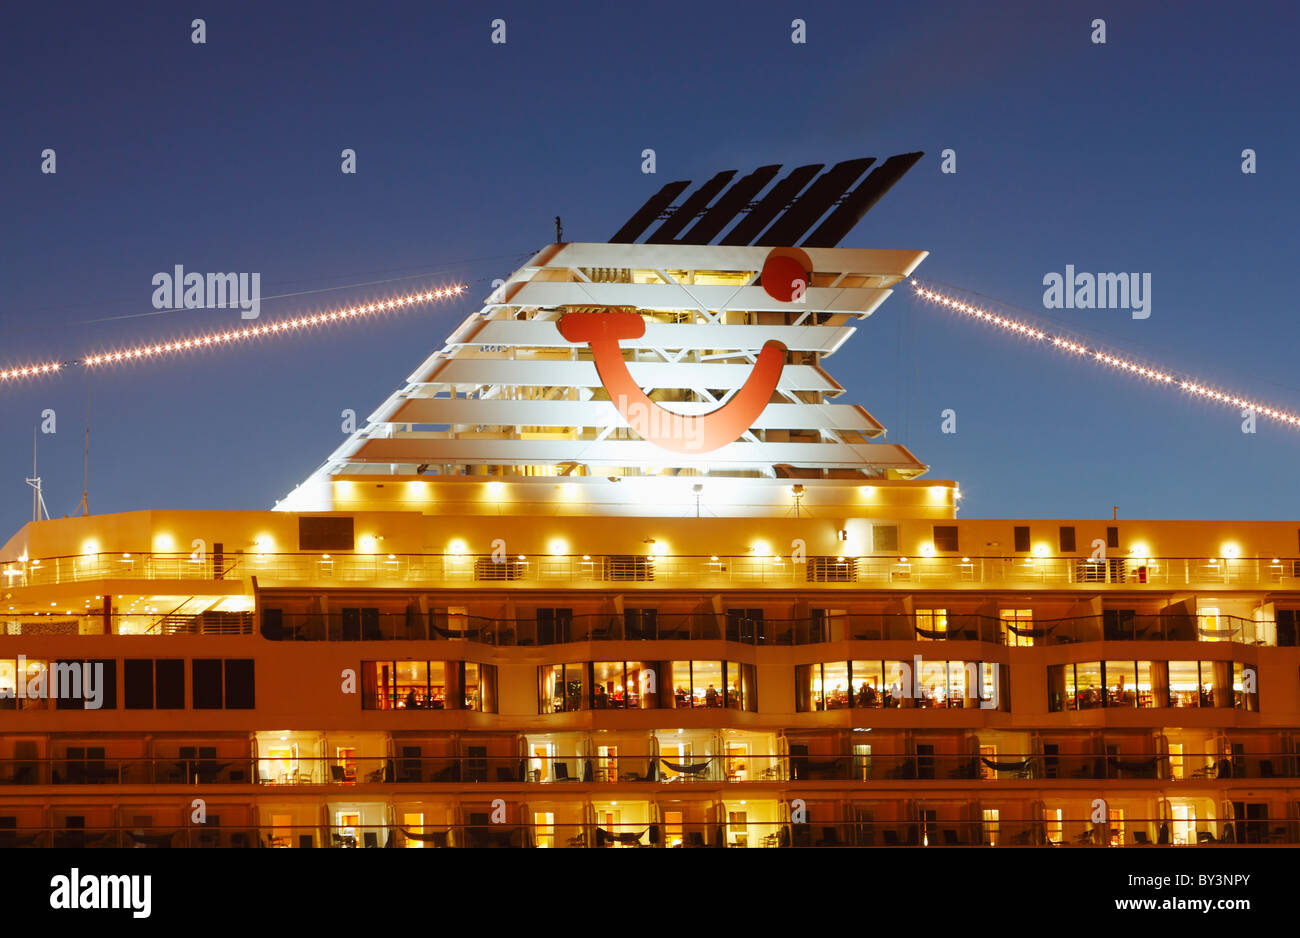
{"type": "Point", "coordinates": [784, 278]}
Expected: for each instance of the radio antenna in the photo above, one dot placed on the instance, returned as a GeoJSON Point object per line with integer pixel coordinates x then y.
{"type": "Point", "coordinates": [84, 506]}
{"type": "Point", "coordinates": [38, 499]}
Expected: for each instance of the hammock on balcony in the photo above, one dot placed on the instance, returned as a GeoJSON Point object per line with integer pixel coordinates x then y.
{"type": "Point", "coordinates": [630, 838]}
{"type": "Point", "coordinates": [687, 769]}
{"type": "Point", "coordinates": [932, 633]}
{"type": "Point", "coordinates": [1030, 632]}
{"type": "Point", "coordinates": [427, 837]}
{"type": "Point", "coordinates": [997, 766]}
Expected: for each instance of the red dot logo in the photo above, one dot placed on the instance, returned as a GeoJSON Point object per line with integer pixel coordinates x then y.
{"type": "Point", "coordinates": [785, 275]}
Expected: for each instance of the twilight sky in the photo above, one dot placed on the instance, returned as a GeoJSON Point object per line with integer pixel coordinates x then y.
{"type": "Point", "coordinates": [226, 157]}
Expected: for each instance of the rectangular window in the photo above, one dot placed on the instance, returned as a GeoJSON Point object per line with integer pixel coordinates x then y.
{"type": "Point", "coordinates": [150, 684]}
{"type": "Point", "coordinates": [834, 692]}
{"type": "Point", "coordinates": [1245, 690]}
{"type": "Point", "coordinates": [1022, 539]}
{"type": "Point", "coordinates": [1067, 540]}
{"type": "Point", "coordinates": [1060, 687]}
{"type": "Point", "coordinates": [560, 687]}
{"type": "Point", "coordinates": [945, 538]}
{"type": "Point", "coordinates": [487, 688]}
{"type": "Point", "coordinates": [1017, 626]}
{"type": "Point", "coordinates": [1121, 683]}
{"type": "Point", "coordinates": [137, 683]}
{"type": "Point", "coordinates": [554, 625]}
{"type": "Point", "coordinates": [931, 624]}
{"type": "Point", "coordinates": [991, 826]}
{"type": "Point", "coordinates": [240, 692]}
{"type": "Point", "coordinates": [1112, 537]}
{"type": "Point", "coordinates": [868, 684]}
{"type": "Point", "coordinates": [1089, 692]}
{"type": "Point", "coordinates": [169, 684]}
{"type": "Point", "coordinates": [83, 685]}
{"type": "Point", "coordinates": [222, 684]}
{"type": "Point", "coordinates": [884, 538]}
{"type": "Point", "coordinates": [1184, 684]}
{"type": "Point", "coordinates": [35, 675]}
{"type": "Point", "coordinates": [206, 679]}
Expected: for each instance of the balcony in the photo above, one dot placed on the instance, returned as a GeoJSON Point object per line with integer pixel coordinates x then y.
{"type": "Point", "coordinates": [1066, 831]}
{"type": "Point", "coordinates": [633, 572]}
{"type": "Point", "coordinates": [90, 767]}
{"type": "Point", "coordinates": [649, 625]}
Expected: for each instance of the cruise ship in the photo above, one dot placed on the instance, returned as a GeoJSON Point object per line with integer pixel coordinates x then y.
{"type": "Point", "coordinates": [616, 566]}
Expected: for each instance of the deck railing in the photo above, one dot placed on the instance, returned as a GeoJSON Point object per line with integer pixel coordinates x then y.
{"type": "Point", "coordinates": [630, 571]}
{"type": "Point", "coordinates": [1187, 768]}
{"type": "Point", "coordinates": [927, 831]}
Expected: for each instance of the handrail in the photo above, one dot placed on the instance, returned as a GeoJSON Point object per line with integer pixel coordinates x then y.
{"type": "Point", "coordinates": [1190, 768]}
{"type": "Point", "coordinates": [951, 827]}
{"type": "Point", "coordinates": [746, 570]}
{"type": "Point", "coordinates": [652, 625]}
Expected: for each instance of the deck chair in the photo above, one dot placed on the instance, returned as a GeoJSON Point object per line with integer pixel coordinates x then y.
{"type": "Point", "coordinates": [891, 838]}
{"type": "Point", "coordinates": [1141, 838]}
{"type": "Point", "coordinates": [950, 838]}
{"type": "Point", "coordinates": [370, 838]}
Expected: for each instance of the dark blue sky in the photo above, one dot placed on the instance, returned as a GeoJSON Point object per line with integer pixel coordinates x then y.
{"type": "Point", "coordinates": [225, 156]}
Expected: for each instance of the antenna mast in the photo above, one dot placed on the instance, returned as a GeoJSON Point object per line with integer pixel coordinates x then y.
{"type": "Point", "coordinates": [84, 506]}
{"type": "Point", "coordinates": [38, 499]}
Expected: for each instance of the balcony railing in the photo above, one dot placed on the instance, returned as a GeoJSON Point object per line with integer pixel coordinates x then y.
{"type": "Point", "coordinates": [629, 571]}
{"type": "Point", "coordinates": [1188, 767]}
{"type": "Point", "coordinates": [650, 625]}
{"type": "Point", "coordinates": [1070, 831]}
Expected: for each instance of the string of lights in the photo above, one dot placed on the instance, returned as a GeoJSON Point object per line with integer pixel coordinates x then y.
{"type": "Point", "coordinates": [227, 337]}
{"type": "Point", "coordinates": [1074, 346]}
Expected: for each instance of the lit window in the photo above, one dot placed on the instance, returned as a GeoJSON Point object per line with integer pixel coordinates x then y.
{"type": "Point", "coordinates": [931, 624]}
